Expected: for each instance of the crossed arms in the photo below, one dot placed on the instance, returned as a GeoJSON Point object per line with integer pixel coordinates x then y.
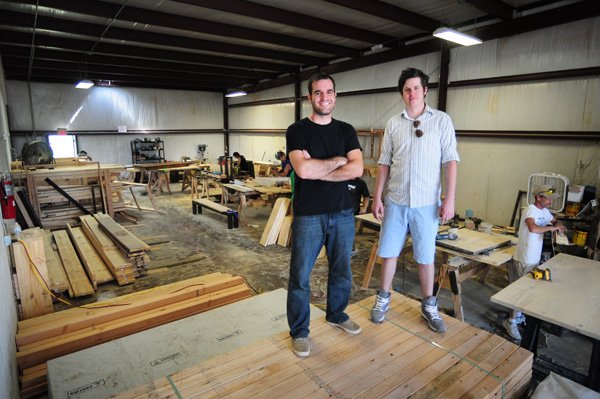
{"type": "Point", "coordinates": [331, 169]}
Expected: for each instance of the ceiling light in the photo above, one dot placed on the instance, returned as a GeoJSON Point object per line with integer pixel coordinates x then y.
{"type": "Point", "coordinates": [84, 84]}
{"type": "Point", "coordinates": [456, 36]}
{"type": "Point", "coordinates": [235, 93]}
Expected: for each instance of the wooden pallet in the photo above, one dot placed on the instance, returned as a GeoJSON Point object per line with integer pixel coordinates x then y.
{"type": "Point", "coordinates": [40, 339]}
{"type": "Point", "coordinates": [397, 359]}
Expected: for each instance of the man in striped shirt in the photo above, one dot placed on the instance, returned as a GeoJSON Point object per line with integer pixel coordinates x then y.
{"type": "Point", "coordinates": [416, 144]}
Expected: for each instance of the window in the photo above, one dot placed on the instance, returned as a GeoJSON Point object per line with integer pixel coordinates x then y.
{"type": "Point", "coordinates": [63, 145]}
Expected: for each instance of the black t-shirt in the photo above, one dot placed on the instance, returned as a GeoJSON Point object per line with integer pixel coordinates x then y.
{"type": "Point", "coordinates": [317, 197]}
{"type": "Point", "coordinates": [357, 189]}
{"type": "Point", "coordinates": [243, 164]}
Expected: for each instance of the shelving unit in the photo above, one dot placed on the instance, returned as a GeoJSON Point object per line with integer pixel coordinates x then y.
{"type": "Point", "coordinates": [148, 151]}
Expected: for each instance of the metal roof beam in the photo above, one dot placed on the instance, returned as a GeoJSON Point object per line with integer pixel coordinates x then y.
{"type": "Point", "coordinates": [285, 17]}
{"type": "Point", "coordinates": [391, 13]}
{"type": "Point", "coordinates": [145, 16]}
{"type": "Point", "coordinates": [494, 7]}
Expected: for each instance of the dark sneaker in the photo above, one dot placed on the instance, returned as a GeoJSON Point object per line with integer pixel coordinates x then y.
{"type": "Point", "coordinates": [301, 346]}
{"type": "Point", "coordinates": [512, 328]}
{"type": "Point", "coordinates": [382, 304]}
{"type": "Point", "coordinates": [429, 311]}
{"type": "Point", "coordinates": [349, 326]}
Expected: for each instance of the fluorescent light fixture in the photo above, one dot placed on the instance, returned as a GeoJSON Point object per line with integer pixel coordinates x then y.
{"type": "Point", "coordinates": [456, 36]}
{"type": "Point", "coordinates": [84, 84]}
{"type": "Point", "coordinates": [235, 93]}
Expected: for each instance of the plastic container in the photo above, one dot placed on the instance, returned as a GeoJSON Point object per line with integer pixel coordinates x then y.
{"type": "Point", "coordinates": [559, 182]}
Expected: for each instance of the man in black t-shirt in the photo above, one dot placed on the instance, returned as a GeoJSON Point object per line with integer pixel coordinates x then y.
{"type": "Point", "coordinates": [325, 154]}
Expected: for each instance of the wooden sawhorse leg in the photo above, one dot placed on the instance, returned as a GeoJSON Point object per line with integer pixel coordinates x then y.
{"type": "Point", "coordinates": [370, 264]}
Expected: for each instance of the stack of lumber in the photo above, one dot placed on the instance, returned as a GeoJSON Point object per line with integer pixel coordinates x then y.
{"type": "Point", "coordinates": [401, 358]}
{"type": "Point", "coordinates": [50, 336]}
{"type": "Point", "coordinates": [118, 264]}
{"type": "Point", "coordinates": [87, 184]}
{"type": "Point", "coordinates": [131, 246]}
{"type": "Point", "coordinates": [65, 260]}
{"type": "Point", "coordinates": [276, 220]}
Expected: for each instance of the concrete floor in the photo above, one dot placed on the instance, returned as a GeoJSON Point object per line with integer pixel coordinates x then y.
{"type": "Point", "coordinates": [186, 245]}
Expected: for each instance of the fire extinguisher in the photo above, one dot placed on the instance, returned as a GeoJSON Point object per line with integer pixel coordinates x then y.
{"type": "Point", "coordinates": [7, 201]}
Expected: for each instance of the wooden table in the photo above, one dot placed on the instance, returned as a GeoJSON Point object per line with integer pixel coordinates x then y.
{"type": "Point", "coordinates": [158, 173]}
{"type": "Point", "coordinates": [461, 266]}
{"type": "Point", "coordinates": [571, 300]}
{"type": "Point", "coordinates": [245, 190]}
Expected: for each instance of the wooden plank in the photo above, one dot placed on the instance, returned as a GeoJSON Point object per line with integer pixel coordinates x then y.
{"type": "Point", "coordinates": [213, 205]}
{"type": "Point", "coordinates": [79, 281]}
{"type": "Point", "coordinates": [79, 318]}
{"type": "Point", "coordinates": [35, 299]}
{"type": "Point", "coordinates": [271, 231]}
{"type": "Point", "coordinates": [57, 278]}
{"type": "Point", "coordinates": [474, 242]}
{"type": "Point", "coordinates": [127, 240]}
{"type": "Point", "coordinates": [93, 264]}
{"type": "Point", "coordinates": [285, 233]}
{"type": "Point", "coordinates": [39, 352]}
{"type": "Point", "coordinates": [113, 258]}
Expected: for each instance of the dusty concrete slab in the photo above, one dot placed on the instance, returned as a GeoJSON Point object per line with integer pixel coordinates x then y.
{"type": "Point", "coordinates": [122, 364]}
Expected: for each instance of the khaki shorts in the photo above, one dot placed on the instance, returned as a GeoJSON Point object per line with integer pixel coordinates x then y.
{"type": "Point", "coordinates": [517, 269]}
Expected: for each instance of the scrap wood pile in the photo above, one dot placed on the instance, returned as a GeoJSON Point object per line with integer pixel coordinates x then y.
{"type": "Point", "coordinates": [53, 335]}
{"type": "Point", "coordinates": [278, 228]}
{"type": "Point", "coordinates": [74, 260]}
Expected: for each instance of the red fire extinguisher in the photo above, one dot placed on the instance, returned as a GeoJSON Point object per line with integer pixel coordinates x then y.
{"type": "Point", "coordinates": [7, 201]}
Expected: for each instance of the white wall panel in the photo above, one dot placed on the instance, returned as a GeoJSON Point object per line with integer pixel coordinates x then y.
{"type": "Point", "coordinates": [270, 94]}
{"type": "Point", "coordinates": [554, 105]}
{"type": "Point", "coordinates": [117, 149]}
{"type": "Point", "coordinates": [275, 116]}
{"type": "Point", "coordinates": [257, 147]}
{"type": "Point", "coordinates": [106, 108]}
{"type": "Point", "coordinates": [567, 46]}
{"type": "Point", "coordinates": [492, 171]}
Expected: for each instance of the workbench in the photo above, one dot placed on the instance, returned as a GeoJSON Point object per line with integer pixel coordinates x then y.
{"type": "Point", "coordinates": [243, 191]}
{"type": "Point", "coordinates": [456, 266]}
{"type": "Point", "coordinates": [570, 300]}
{"type": "Point", "coordinates": [157, 174]}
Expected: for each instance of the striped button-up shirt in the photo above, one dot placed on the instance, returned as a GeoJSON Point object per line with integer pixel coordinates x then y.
{"type": "Point", "coordinates": [415, 162]}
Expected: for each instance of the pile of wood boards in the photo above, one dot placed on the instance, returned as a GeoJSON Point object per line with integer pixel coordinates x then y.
{"type": "Point", "coordinates": [278, 228]}
{"type": "Point", "coordinates": [53, 335]}
{"type": "Point", "coordinates": [76, 260]}
{"type": "Point", "coordinates": [132, 247]}
{"type": "Point", "coordinates": [57, 197]}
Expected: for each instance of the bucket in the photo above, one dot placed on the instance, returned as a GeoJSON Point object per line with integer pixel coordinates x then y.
{"type": "Point", "coordinates": [579, 237]}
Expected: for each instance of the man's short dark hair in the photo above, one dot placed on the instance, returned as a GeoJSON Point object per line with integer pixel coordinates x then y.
{"type": "Point", "coordinates": [319, 76]}
{"type": "Point", "coordinates": [236, 154]}
{"type": "Point", "coordinates": [410, 73]}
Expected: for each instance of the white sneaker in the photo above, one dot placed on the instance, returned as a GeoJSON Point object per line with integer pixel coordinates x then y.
{"type": "Point", "coordinates": [512, 328]}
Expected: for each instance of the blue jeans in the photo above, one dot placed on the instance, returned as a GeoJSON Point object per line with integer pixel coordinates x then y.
{"type": "Point", "coordinates": [309, 234]}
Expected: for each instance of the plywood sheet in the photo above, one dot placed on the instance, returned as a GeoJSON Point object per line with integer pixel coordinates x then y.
{"type": "Point", "coordinates": [122, 364]}
{"type": "Point", "coordinates": [474, 242]}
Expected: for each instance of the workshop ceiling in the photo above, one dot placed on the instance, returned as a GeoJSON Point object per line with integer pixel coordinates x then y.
{"type": "Point", "coordinates": [215, 45]}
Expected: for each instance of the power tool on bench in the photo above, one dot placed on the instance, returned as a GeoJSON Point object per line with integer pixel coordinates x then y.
{"type": "Point", "coordinates": [541, 274]}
